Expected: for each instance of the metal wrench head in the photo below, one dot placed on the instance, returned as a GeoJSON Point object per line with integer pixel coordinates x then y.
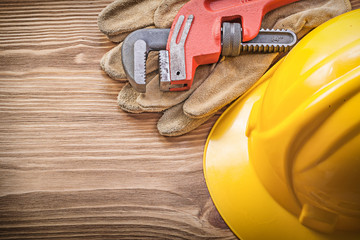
{"type": "Point", "coordinates": [135, 50]}
{"type": "Point", "coordinates": [138, 44]}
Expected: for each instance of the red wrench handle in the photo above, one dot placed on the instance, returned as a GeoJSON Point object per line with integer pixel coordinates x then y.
{"type": "Point", "coordinates": [203, 42]}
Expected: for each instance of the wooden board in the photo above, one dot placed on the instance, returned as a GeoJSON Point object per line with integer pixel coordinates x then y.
{"type": "Point", "coordinates": [74, 166]}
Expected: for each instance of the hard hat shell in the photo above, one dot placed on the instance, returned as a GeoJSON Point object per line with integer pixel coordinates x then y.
{"type": "Point", "coordinates": [283, 162]}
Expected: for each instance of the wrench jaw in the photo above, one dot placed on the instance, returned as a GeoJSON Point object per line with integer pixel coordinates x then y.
{"type": "Point", "coordinates": [164, 71]}
{"type": "Point", "coordinates": [166, 84]}
{"type": "Point", "coordinates": [173, 77]}
{"type": "Point", "coordinates": [140, 56]}
{"type": "Point", "coordinates": [128, 54]}
{"type": "Point", "coordinates": [135, 50]}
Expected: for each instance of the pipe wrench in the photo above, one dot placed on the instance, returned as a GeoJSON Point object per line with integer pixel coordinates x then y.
{"type": "Point", "coordinates": [202, 31]}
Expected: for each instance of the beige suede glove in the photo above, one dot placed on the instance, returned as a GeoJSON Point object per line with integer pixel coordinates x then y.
{"type": "Point", "coordinates": [214, 85]}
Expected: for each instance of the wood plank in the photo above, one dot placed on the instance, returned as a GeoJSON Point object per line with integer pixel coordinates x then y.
{"type": "Point", "coordinates": [74, 166]}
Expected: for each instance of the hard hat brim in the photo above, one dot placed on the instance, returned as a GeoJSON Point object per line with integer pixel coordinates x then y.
{"type": "Point", "coordinates": [239, 196]}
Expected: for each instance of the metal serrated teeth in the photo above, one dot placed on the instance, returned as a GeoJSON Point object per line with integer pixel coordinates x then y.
{"type": "Point", "coordinates": [143, 71]}
{"type": "Point", "coordinates": [164, 70]}
{"type": "Point", "coordinates": [264, 48]}
{"type": "Point", "coordinates": [140, 56]}
{"type": "Point", "coordinates": [270, 40]}
{"type": "Point", "coordinates": [163, 64]}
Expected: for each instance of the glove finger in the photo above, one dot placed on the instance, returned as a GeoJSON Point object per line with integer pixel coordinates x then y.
{"type": "Point", "coordinates": [166, 12]}
{"type": "Point", "coordinates": [111, 63]}
{"type": "Point", "coordinates": [127, 99]}
{"type": "Point", "coordinates": [175, 123]}
{"type": "Point", "coordinates": [234, 76]}
{"type": "Point", "coordinates": [124, 16]}
{"type": "Point", "coordinates": [155, 100]}
{"type": "Point", "coordinates": [225, 84]}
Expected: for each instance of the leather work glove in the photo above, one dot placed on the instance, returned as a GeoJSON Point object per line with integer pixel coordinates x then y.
{"type": "Point", "coordinates": [214, 85]}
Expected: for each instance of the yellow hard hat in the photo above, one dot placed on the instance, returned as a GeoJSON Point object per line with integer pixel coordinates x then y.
{"type": "Point", "coordinates": [283, 162]}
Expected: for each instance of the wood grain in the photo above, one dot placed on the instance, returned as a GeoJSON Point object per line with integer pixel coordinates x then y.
{"type": "Point", "coordinates": [72, 165]}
